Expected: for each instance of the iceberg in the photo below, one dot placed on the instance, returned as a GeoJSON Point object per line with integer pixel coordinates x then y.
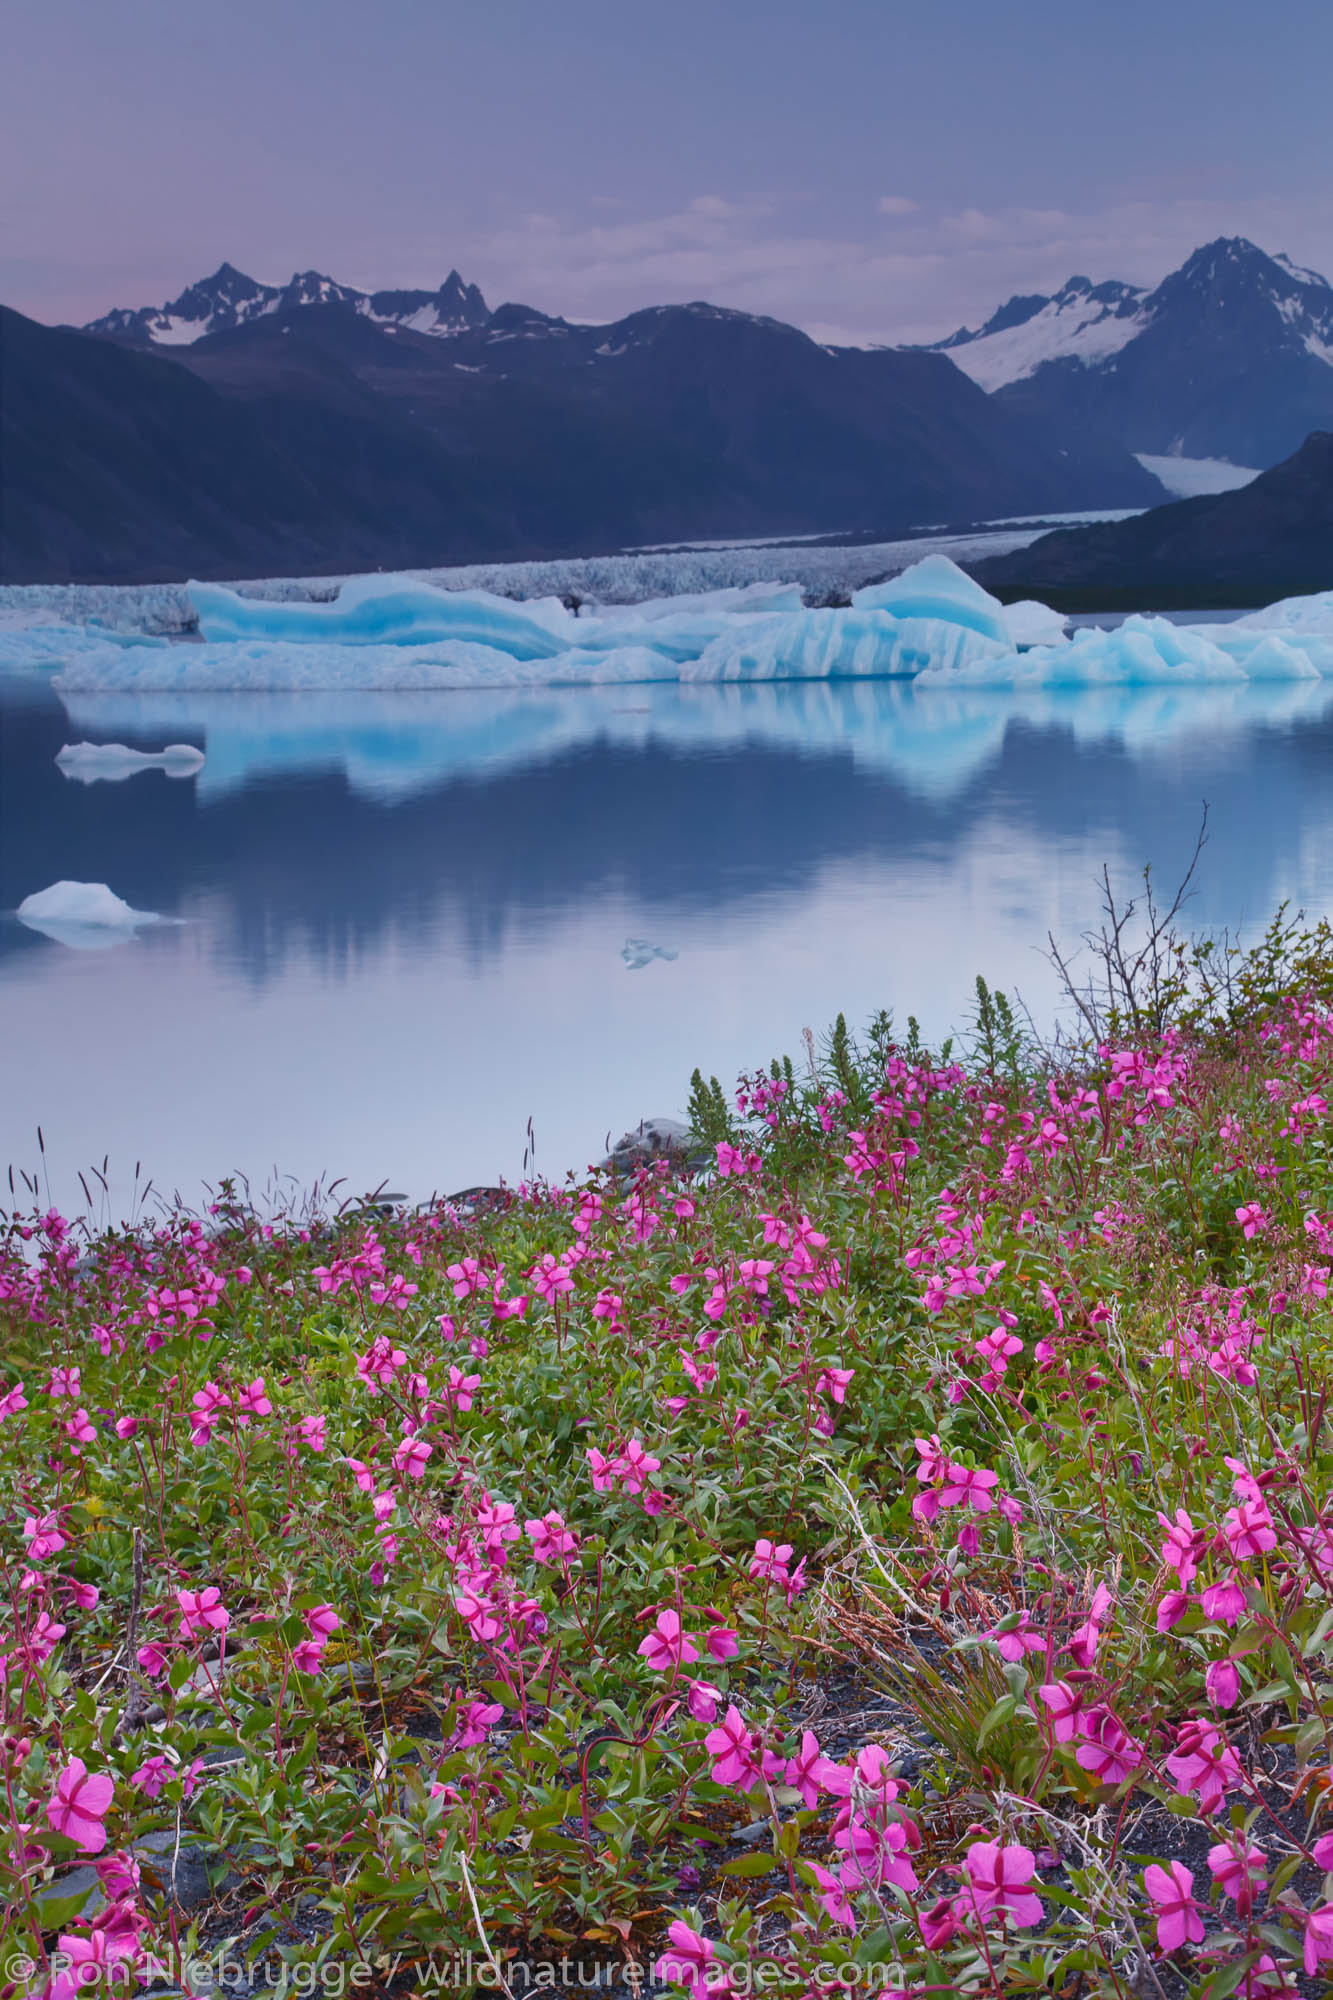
{"type": "Point", "coordinates": [381, 634]}
{"type": "Point", "coordinates": [937, 589]}
{"type": "Point", "coordinates": [85, 915]}
{"type": "Point", "coordinates": [1142, 651]}
{"type": "Point", "coordinates": [1291, 614]}
{"type": "Point", "coordinates": [114, 762]}
{"type": "Point", "coordinates": [378, 611]}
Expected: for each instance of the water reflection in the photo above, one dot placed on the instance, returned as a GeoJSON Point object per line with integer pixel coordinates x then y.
{"type": "Point", "coordinates": [407, 915]}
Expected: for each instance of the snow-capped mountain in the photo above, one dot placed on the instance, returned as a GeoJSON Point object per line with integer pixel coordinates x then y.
{"type": "Point", "coordinates": [1229, 357]}
{"type": "Point", "coordinates": [1081, 322]}
{"type": "Point", "coordinates": [230, 299]}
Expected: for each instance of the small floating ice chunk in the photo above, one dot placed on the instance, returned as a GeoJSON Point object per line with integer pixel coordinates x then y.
{"type": "Point", "coordinates": [937, 588]}
{"type": "Point", "coordinates": [1032, 624]}
{"type": "Point", "coordinates": [89, 762]}
{"type": "Point", "coordinates": [85, 915]}
{"type": "Point", "coordinates": [638, 952]}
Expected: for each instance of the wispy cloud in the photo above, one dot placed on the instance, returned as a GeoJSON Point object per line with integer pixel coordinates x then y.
{"type": "Point", "coordinates": [890, 269]}
{"type": "Point", "coordinates": [899, 271]}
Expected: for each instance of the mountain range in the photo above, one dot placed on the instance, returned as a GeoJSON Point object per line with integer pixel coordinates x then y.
{"type": "Point", "coordinates": [253, 427]}
{"type": "Point", "coordinates": [1229, 357]}
{"type": "Point", "coordinates": [247, 429]}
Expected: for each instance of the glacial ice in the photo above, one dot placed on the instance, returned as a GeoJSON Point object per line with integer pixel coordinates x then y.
{"type": "Point", "coordinates": [1291, 614]}
{"type": "Point", "coordinates": [379, 611]}
{"type": "Point", "coordinates": [114, 762]}
{"type": "Point", "coordinates": [937, 588]}
{"type": "Point", "coordinates": [85, 915]}
{"type": "Point", "coordinates": [398, 633]}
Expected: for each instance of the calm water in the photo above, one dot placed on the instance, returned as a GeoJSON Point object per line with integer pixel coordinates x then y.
{"type": "Point", "coordinates": [401, 917]}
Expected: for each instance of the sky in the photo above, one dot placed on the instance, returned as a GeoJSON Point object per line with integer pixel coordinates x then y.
{"type": "Point", "coordinates": [872, 170]}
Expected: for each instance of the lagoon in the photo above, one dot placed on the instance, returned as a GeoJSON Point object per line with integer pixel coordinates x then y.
{"type": "Point", "coordinates": [401, 920]}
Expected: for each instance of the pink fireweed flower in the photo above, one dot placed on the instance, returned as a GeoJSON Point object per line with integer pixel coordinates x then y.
{"type": "Point", "coordinates": [996, 1348]}
{"type": "Point", "coordinates": [1172, 1609]}
{"type": "Point", "coordinates": [1248, 1529]}
{"type": "Point", "coordinates": [202, 1612]}
{"type": "Point", "coordinates": [79, 1430]}
{"type": "Point", "coordinates": [475, 1719]}
{"type": "Point", "coordinates": [735, 1752]}
{"type": "Point", "coordinates": [965, 1486]}
{"type": "Point", "coordinates": [1171, 1890]}
{"type": "Point", "coordinates": [1108, 1752]}
{"type": "Point", "coordinates": [668, 1645]}
{"type": "Point", "coordinates": [86, 1595]}
{"type": "Point", "coordinates": [1083, 1643]}
{"type": "Point", "coordinates": [81, 1802]}
{"type": "Point", "coordinates": [64, 1382]}
{"type": "Point", "coordinates": [1183, 1545]}
{"type": "Point", "coordinates": [686, 1962]}
{"type": "Point", "coordinates": [412, 1456]}
{"type": "Point", "coordinates": [834, 1383]}
{"type": "Point", "coordinates": [722, 1642]}
{"type": "Point", "coordinates": [41, 1639]}
{"type": "Point", "coordinates": [1239, 1870]}
{"type": "Point", "coordinates": [208, 1405]}
{"type": "Point", "coordinates": [42, 1534]}
{"type": "Point", "coordinates": [833, 1897]}
{"type": "Point", "coordinates": [1223, 1601]}
{"type": "Point", "coordinates": [152, 1660]}
{"type": "Point", "coordinates": [379, 1364]}
{"type": "Point", "coordinates": [1318, 1937]}
{"type": "Point", "coordinates": [704, 1700]}
{"type": "Point", "coordinates": [1020, 1638]}
{"type": "Point", "coordinates": [635, 1466]}
{"type": "Point", "coordinates": [551, 1277]}
{"type": "Point", "coordinates": [551, 1540]}
{"type": "Point", "coordinates": [1252, 1218]}
{"type": "Point", "coordinates": [1221, 1682]}
{"type": "Point", "coordinates": [313, 1433]}
{"type": "Point", "coordinates": [323, 1621]}
{"type": "Point", "coordinates": [363, 1474]}
{"type": "Point", "coordinates": [462, 1388]}
{"type": "Point", "coordinates": [308, 1656]}
{"type": "Point", "coordinates": [1203, 1762]}
{"type": "Point", "coordinates": [807, 1772]}
{"type": "Point", "coordinates": [1067, 1711]}
{"type": "Point", "coordinates": [603, 1470]}
{"type": "Point", "coordinates": [252, 1401]}
{"type": "Point", "coordinates": [13, 1401]}
{"type": "Point", "coordinates": [151, 1775]}
{"type": "Point", "coordinates": [999, 1879]}
{"type": "Point", "coordinates": [771, 1562]}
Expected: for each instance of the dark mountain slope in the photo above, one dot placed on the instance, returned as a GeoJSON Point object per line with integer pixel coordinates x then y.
{"type": "Point", "coordinates": [1270, 539]}
{"type": "Point", "coordinates": [116, 465]}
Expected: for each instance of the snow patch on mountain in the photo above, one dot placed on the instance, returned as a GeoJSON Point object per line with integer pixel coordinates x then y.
{"type": "Point", "coordinates": [1080, 323]}
{"type": "Point", "coordinates": [230, 299]}
{"type": "Point", "coordinates": [1187, 478]}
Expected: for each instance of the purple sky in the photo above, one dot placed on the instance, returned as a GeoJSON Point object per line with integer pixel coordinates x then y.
{"type": "Point", "coordinates": [871, 169]}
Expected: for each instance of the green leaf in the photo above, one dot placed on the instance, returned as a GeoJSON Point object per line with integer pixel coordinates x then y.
{"type": "Point", "coordinates": [1004, 1709]}
{"type": "Point", "coordinates": [750, 1864]}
